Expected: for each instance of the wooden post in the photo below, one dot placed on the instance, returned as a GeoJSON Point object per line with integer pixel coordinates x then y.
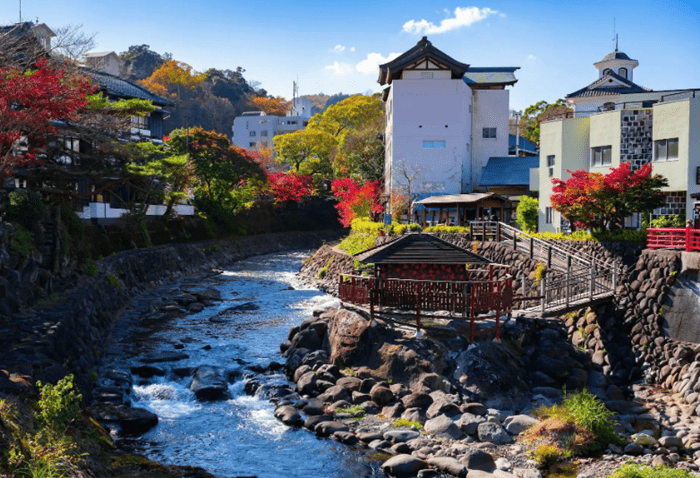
{"type": "Point", "coordinates": [614, 277]}
{"type": "Point", "coordinates": [532, 247]}
{"type": "Point", "coordinates": [549, 256]}
{"type": "Point", "coordinates": [498, 314]}
{"type": "Point", "coordinates": [483, 231]}
{"type": "Point", "coordinates": [568, 281]}
{"type": "Point", "coordinates": [418, 297]}
{"type": "Point", "coordinates": [515, 239]}
{"type": "Point", "coordinates": [688, 247]}
{"type": "Point", "coordinates": [543, 291]}
{"type": "Point", "coordinates": [498, 232]}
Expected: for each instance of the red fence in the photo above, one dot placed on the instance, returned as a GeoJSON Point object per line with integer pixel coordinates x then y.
{"type": "Point", "coordinates": [684, 238]}
{"type": "Point", "coordinates": [463, 299]}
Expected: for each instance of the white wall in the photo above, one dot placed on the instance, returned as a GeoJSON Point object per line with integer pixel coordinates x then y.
{"type": "Point", "coordinates": [272, 125]}
{"type": "Point", "coordinates": [430, 110]}
{"type": "Point", "coordinates": [490, 110]}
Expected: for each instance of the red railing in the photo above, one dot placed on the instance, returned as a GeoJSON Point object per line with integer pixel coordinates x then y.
{"type": "Point", "coordinates": [463, 299]}
{"type": "Point", "coordinates": [685, 238]}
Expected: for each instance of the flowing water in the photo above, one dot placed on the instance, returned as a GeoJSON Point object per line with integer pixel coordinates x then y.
{"type": "Point", "coordinates": [238, 436]}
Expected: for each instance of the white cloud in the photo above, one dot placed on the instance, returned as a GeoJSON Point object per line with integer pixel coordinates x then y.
{"type": "Point", "coordinates": [464, 17]}
{"type": "Point", "coordinates": [339, 69]}
{"type": "Point", "coordinates": [338, 48]}
{"type": "Point", "coordinates": [370, 65]}
{"type": "Point", "coordinates": [531, 57]}
{"type": "Point", "coordinates": [352, 48]}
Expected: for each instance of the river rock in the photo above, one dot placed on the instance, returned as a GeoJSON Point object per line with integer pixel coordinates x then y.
{"type": "Point", "coordinates": [442, 427]}
{"type": "Point", "coordinates": [334, 394]}
{"type": "Point", "coordinates": [208, 384]}
{"type": "Point", "coordinates": [393, 411]}
{"type": "Point", "coordinates": [516, 424]}
{"type": "Point", "coordinates": [417, 399]}
{"type": "Point", "coordinates": [345, 437]}
{"type": "Point", "coordinates": [350, 336]}
{"type": "Point", "coordinates": [470, 423]}
{"type": "Point", "coordinates": [164, 357]}
{"type": "Point", "coordinates": [311, 422]}
{"type": "Point", "coordinates": [306, 385]}
{"type": "Point", "coordinates": [493, 433]}
{"type": "Point", "coordinates": [131, 420]}
{"type": "Point", "coordinates": [381, 395]}
{"type": "Point", "coordinates": [288, 415]}
{"type": "Point", "coordinates": [314, 407]}
{"type": "Point", "coordinates": [403, 465]}
{"type": "Point", "coordinates": [307, 339]}
{"type": "Point", "coordinates": [442, 407]}
{"type": "Point", "coordinates": [475, 459]}
{"type": "Point", "coordinates": [329, 428]}
{"type": "Point", "coordinates": [351, 383]}
{"type": "Point", "coordinates": [400, 436]}
{"type": "Point", "coordinates": [474, 408]}
{"type": "Point", "coordinates": [147, 371]}
{"type": "Point", "coordinates": [448, 465]}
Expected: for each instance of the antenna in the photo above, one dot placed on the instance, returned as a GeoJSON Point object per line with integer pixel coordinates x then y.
{"type": "Point", "coordinates": [20, 11]}
{"type": "Point", "coordinates": [615, 33]}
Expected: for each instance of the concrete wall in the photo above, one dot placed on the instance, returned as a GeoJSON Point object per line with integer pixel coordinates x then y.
{"type": "Point", "coordinates": [568, 141]}
{"type": "Point", "coordinates": [672, 120]}
{"type": "Point", "coordinates": [490, 110]}
{"type": "Point", "coordinates": [429, 110]}
{"type": "Point", "coordinates": [605, 131]}
{"type": "Point", "coordinates": [261, 125]}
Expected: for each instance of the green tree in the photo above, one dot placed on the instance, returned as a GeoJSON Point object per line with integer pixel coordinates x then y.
{"type": "Point", "coordinates": [527, 213]}
{"type": "Point", "coordinates": [536, 114]}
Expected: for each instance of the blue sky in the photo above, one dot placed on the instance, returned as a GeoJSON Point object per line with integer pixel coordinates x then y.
{"type": "Point", "coordinates": [334, 47]}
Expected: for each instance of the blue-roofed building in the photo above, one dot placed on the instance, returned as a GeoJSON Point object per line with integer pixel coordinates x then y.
{"type": "Point", "coordinates": [527, 147]}
{"type": "Point", "coordinates": [511, 177]}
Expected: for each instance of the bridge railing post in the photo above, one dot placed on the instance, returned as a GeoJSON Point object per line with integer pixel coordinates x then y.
{"type": "Point", "coordinates": [568, 282]}
{"type": "Point", "coordinates": [614, 277]}
{"type": "Point", "coordinates": [592, 287]}
{"type": "Point", "coordinates": [498, 231]}
{"type": "Point", "coordinates": [532, 247]}
{"type": "Point", "coordinates": [549, 256]}
{"type": "Point", "coordinates": [543, 291]}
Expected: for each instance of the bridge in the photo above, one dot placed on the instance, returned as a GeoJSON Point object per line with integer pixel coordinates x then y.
{"type": "Point", "coordinates": [570, 281]}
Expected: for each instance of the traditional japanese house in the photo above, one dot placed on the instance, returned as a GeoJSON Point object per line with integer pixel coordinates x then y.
{"type": "Point", "coordinates": [421, 272]}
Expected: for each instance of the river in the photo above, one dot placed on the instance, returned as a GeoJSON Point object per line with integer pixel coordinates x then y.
{"type": "Point", "coordinates": [239, 436]}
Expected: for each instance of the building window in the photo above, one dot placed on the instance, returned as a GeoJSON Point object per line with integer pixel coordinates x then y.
{"type": "Point", "coordinates": [489, 133]}
{"type": "Point", "coordinates": [666, 150]}
{"type": "Point", "coordinates": [292, 122]}
{"type": "Point", "coordinates": [263, 133]}
{"type": "Point", "coordinates": [697, 175]}
{"type": "Point", "coordinates": [606, 71]}
{"type": "Point", "coordinates": [433, 144]}
{"type": "Point", "coordinates": [601, 156]}
{"type": "Point", "coordinates": [548, 212]}
{"type": "Point", "coordinates": [141, 122]}
{"type": "Point", "coordinates": [252, 144]}
{"type": "Point", "coordinates": [622, 72]}
{"type": "Point", "coordinates": [264, 121]}
{"type": "Point", "coordinates": [252, 134]}
{"type": "Point", "coordinates": [550, 165]}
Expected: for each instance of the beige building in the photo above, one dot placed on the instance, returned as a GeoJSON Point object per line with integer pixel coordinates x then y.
{"type": "Point", "coordinates": [623, 122]}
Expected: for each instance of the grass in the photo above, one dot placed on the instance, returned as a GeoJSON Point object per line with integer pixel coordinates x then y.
{"type": "Point", "coordinates": [90, 268]}
{"type": "Point", "coordinates": [638, 471]}
{"type": "Point", "coordinates": [355, 410]}
{"type": "Point", "coordinates": [402, 422]}
{"type": "Point", "coordinates": [112, 279]}
{"type": "Point", "coordinates": [324, 269]}
{"type": "Point", "coordinates": [580, 426]}
{"type": "Point", "coordinates": [357, 242]}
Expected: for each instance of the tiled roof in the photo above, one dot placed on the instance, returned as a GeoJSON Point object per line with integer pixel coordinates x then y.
{"type": "Point", "coordinates": [508, 171]}
{"type": "Point", "coordinates": [616, 55]}
{"type": "Point", "coordinates": [597, 88]}
{"type": "Point", "coordinates": [419, 249]}
{"type": "Point", "coordinates": [115, 86]}
{"type": "Point", "coordinates": [471, 198]}
{"type": "Point", "coordinates": [491, 76]}
{"type": "Point", "coordinates": [423, 49]}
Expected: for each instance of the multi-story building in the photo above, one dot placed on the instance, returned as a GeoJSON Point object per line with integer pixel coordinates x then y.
{"type": "Point", "coordinates": [445, 119]}
{"type": "Point", "coordinates": [614, 121]}
{"type": "Point", "coordinates": [254, 130]}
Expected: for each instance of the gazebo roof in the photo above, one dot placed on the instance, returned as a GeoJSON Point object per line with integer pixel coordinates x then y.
{"type": "Point", "coordinates": [419, 249]}
{"type": "Point", "coordinates": [473, 198]}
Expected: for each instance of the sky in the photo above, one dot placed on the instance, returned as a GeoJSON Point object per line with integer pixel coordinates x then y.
{"type": "Point", "coordinates": [333, 47]}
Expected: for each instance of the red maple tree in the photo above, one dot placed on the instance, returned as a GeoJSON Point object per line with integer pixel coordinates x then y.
{"type": "Point", "coordinates": [602, 202]}
{"type": "Point", "coordinates": [356, 199]}
{"type": "Point", "coordinates": [290, 186]}
{"type": "Point", "coordinates": [30, 104]}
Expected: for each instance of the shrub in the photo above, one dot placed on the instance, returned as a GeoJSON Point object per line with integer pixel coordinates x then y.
{"type": "Point", "coordinates": [625, 235]}
{"type": "Point", "coordinates": [215, 248]}
{"type": "Point", "coordinates": [402, 422]}
{"type": "Point", "coordinates": [447, 229]}
{"type": "Point", "coordinates": [59, 404]}
{"type": "Point", "coordinates": [357, 242]}
{"type": "Point", "coordinates": [414, 227]}
{"type": "Point", "coordinates": [90, 268]}
{"type": "Point", "coordinates": [527, 213]}
{"type": "Point", "coordinates": [638, 471]}
{"type": "Point", "coordinates": [112, 279]}
{"type": "Point", "coordinates": [674, 220]}
{"type": "Point", "coordinates": [26, 205]}
{"type": "Point", "coordinates": [75, 225]}
{"type": "Point", "coordinates": [324, 269]}
{"type": "Point", "coordinates": [356, 410]}
{"type": "Point", "coordinates": [547, 455]}
{"type": "Point", "coordinates": [591, 413]}
{"type": "Point", "coordinates": [23, 242]}
{"type": "Point", "coordinates": [366, 225]}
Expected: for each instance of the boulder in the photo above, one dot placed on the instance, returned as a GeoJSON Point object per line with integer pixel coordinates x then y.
{"type": "Point", "coordinates": [448, 465]}
{"type": "Point", "coordinates": [402, 466]}
{"type": "Point", "coordinates": [289, 415]}
{"type": "Point", "coordinates": [400, 436]}
{"type": "Point", "coordinates": [414, 415]}
{"type": "Point", "coordinates": [474, 408]}
{"type": "Point", "coordinates": [133, 421]}
{"type": "Point", "coordinates": [313, 407]}
{"type": "Point", "coordinates": [311, 422]}
{"type": "Point", "coordinates": [442, 427]}
{"type": "Point", "coordinates": [470, 423]}
{"type": "Point", "coordinates": [417, 399]}
{"type": "Point", "coordinates": [381, 395]}
{"type": "Point", "coordinates": [147, 371]}
{"type": "Point", "coordinates": [345, 437]}
{"type": "Point", "coordinates": [327, 428]}
{"type": "Point", "coordinates": [516, 424]}
{"type": "Point", "coordinates": [475, 459]}
{"type": "Point", "coordinates": [350, 336]}
{"type": "Point", "coordinates": [208, 384]}
{"type": "Point", "coordinates": [334, 394]}
{"type": "Point", "coordinates": [442, 407]}
{"type": "Point", "coordinates": [393, 411]}
{"type": "Point", "coordinates": [164, 357]}
{"type": "Point", "coordinates": [307, 339]}
{"type": "Point", "coordinates": [351, 383]}
{"type": "Point", "coordinates": [493, 433]}
{"type": "Point", "coordinates": [306, 385]}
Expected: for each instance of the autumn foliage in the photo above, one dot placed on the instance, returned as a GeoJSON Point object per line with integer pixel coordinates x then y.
{"type": "Point", "coordinates": [273, 106]}
{"type": "Point", "coordinates": [356, 199]}
{"type": "Point", "coordinates": [602, 202]}
{"type": "Point", "coordinates": [172, 73]}
{"type": "Point", "coordinates": [29, 103]}
{"type": "Point", "coordinates": [290, 187]}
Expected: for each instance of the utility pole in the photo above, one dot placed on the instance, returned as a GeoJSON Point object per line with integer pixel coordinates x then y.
{"type": "Point", "coordinates": [517, 115]}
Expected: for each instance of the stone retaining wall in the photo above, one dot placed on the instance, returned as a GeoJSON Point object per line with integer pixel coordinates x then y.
{"type": "Point", "coordinates": [69, 336]}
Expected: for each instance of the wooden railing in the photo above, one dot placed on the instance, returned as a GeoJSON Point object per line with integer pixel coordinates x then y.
{"type": "Point", "coordinates": [685, 238]}
{"type": "Point", "coordinates": [467, 300]}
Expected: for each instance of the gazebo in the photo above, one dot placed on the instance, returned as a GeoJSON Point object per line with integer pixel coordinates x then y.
{"type": "Point", "coordinates": [475, 203]}
{"type": "Point", "coordinates": [421, 272]}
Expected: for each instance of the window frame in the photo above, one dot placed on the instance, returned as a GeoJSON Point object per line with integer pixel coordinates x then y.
{"type": "Point", "coordinates": [548, 215]}
{"type": "Point", "coordinates": [434, 144]}
{"type": "Point", "coordinates": [551, 161]}
{"type": "Point", "coordinates": [599, 151]}
{"type": "Point", "coordinates": [666, 156]}
{"type": "Point", "coordinates": [141, 122]}
{"type": "Point", "coordinates": [490, 132]}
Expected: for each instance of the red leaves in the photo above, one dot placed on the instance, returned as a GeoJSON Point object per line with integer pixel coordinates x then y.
{"type": "Point", "coordinates": [356, 200]}
{"type": "Point", "coordinates": [29, 104]}
{"type": "Point", "coordinates": [601, 202]}
{"type": "Point", "coordinates": [290, 187]}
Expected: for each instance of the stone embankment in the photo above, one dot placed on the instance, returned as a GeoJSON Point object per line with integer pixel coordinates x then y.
{"type": "Point", "coordinates": [69, 335]}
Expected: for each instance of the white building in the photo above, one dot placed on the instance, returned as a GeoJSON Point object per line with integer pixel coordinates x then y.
{"type": "Point", "coordinates": [254, 130]}
{"type": "Point", "coordinates": [616, 121]}
{"type": "Point", "coordinates": [445, 119]}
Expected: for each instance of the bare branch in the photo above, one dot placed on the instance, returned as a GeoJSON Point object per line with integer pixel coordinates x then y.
{"type": "Point", "coordinates": [71, 42]}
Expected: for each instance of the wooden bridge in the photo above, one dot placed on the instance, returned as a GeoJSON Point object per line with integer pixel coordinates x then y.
{"type": "Point", "coordinates": [570, 281]}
